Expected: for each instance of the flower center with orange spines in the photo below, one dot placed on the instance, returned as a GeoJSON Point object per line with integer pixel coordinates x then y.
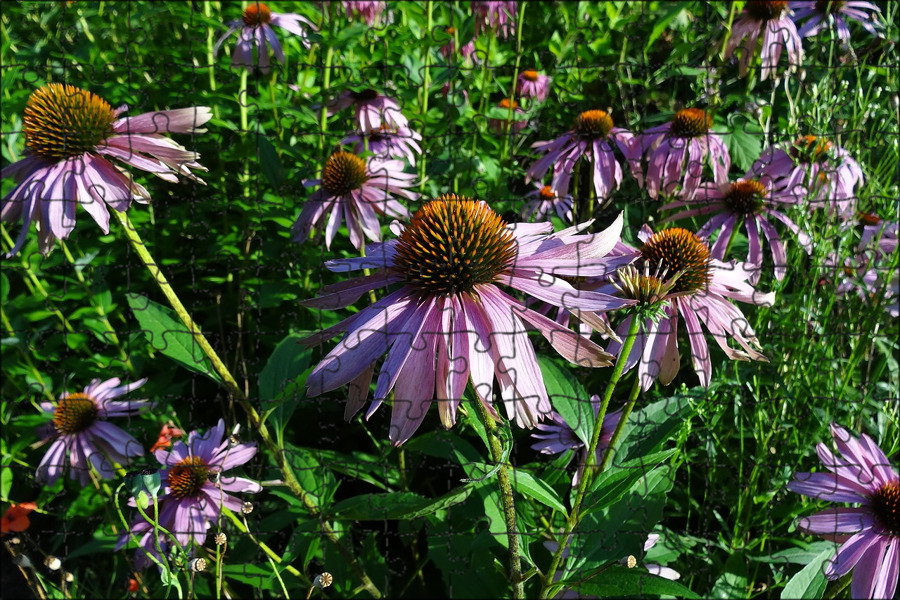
{"type": "Point", "coordinates": [746, 198]}
{"type": "Point", "coordinates": [188, 476]}
{"type": "Point", "coordinates": [594, 123]}
{"type": "Point", "coordinates": [829, 7]}
{"type": "Point", "coordinates": [765, 10]}
{"type": "Point", "coordinates": [63, 121]}
{"type": "Point", "coordinates": [366, 95]}
{"type": "Point", "coordinates": [343, 173]}
{"type": "Point", "coordinates": [530, 74]}
{"type": "Point", "coordinates": [679, 252]}
{"type": "Point", "coordinates": [691, 122]}
{"type": "Point", "coordinates": [257, 14]}
{"type": "Point", "coordinates": [868, 218]}
{"type": "Point", "coordinates": [507, 103]}
{"type": "Point", "coordinates": [453, 244]}
{"type": "Point", "coordinates": [547, 193]}
{"type": "Point", "coordinates": [450, 30]}
{"type": "Point", "coordinates": [885, 504]}
{"type": "Point", "coordinates": [74, 414]}
{"type": "Point", "coordinates": [809, 148]}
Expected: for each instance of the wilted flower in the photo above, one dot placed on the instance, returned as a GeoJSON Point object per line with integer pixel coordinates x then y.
{"type": "Point", "coordinates": [369, 10]}
{"type": "Point", "coordinates": [254, 31]}
{"type": "Point", "coordinates": [496, 16]}
{"type": "Point", "coordinates": [555, 436]}
{"type": "Point", "coordinates": [531, 84]}
{"type": "Point", "coordinates": [450, 322]}
{"type": "Point", "coordinates": [544, 201]}
{"type": "Point", "coordinates": [388, 142]}
{"type": "Point", "coordinates": [674, 276]}
{"type": "Point", "coordinates": [751, 202]}
{"type": "Point", "coordinates": [677, 151]}
{"type": "Point", "coordinates": [195, 485]}
{"type": "Point", "coordinates": [770, 18]}
{"type": "Point", "coordinates": [517, 123]}
{"type": "Point", "coordinates": [69, 133]}
{"type": "Point", "coordinates": [372, 109]}
{"type": "Point", "coordinates": [869, 534]}
{"type": "Point", "coordinates": [589, 139]}
{"type": "Point", "coordinates": [820, 14]}
{"type": "Point", "coordinates": [355, 191]}
{"type": "Point", "coordinates": [817, 168]}
{"type": "Point", "coordinates": [80, 430]}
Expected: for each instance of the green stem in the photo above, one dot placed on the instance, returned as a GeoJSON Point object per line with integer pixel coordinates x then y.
{"type": "Point", "coordinates": [37, 374]}
{"type": "Point", "coordinates": [512, 87]}
{"type": "Point", "coordinates": [731, 12]}
{"type": "Point", "coordinates": [482, 105]}
{"type": "Point", "coordinates": [426, 85]}
{"type": "Point", "coordinates": [574, 516]}
{"type": "Point", "coordinates": [257, 424]}
{"type": "Point", "coordinates": [210, 58]}
{"type": "Point", "coordinates": [506, 494]}
{"type": "Point", "coordinates": [626, 412]}
{"type": "Point", "coordinates": [242, 526]}
{"type": "Point", "coordinates": [323, 118]}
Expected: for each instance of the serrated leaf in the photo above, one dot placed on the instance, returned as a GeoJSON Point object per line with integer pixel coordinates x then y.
{"type": "Point", "coordinates": [168, 335]}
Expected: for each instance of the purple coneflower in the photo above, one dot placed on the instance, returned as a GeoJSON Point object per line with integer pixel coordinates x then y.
{"type": "Point", "coordinates": [870, 534]}
{"type": "Point", "coordinates": [555, 436]}
{"type": "Point", "coordinates": [824, 13]}
{"type": "Point", "coordinates": [372, 109]}
{"type": "Point", "coordinates": [589, 139]}
{"type": "Point", "coordinates": [146, 544]}
{"type": "Point", "coordinates": [822, 171]}
{"type": "Point", "coordinates": [195, 487]}
{"type": "Point", "coordinates": [81, 431]}
{"type": "Point", "coordinates": [450, 322]}
{"type": "Point", "coordinates": [388, 142]}
{"type": "Point", "coordinates": [531, 84]}
{"type": "Point", "coordinates": [771, 19]}
{"type": "Point", "coordinates": [369, 10]}
{"type": "Point", "coordinates": [501, 125]}
{"type": "Point", "coordinates": [749, 201]}
{"type": "Point", "coordinates": [868, 271]}
{"type": "Point", "coordinates": [467, 50]}
{"type": "Point", "coordinates": [495, 16]}
{"type": "Point", "coordinates": [544, 201]}
{"type": "Point", "coordinates": [674, 276]}
{"type": "Point", "coordinates": [355, 191]}
{"type": "Point", "coordinates": [254, 31]}
{"type": "Point", "coordinates": [677, 151]}
{"type": "Point", "coordinates": [69, 133]}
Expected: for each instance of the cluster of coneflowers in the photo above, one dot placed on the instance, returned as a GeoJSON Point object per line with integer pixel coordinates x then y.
{"type": "Point", "coordinates": [450, 320]}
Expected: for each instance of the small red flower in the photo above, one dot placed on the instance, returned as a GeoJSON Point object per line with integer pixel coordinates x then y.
{"type": "Point", "coordinates": [133, 585]}
{"type": "Point", "coordinates": [166, 434]}
{"type": "Point", "coordinates": [16, 517]}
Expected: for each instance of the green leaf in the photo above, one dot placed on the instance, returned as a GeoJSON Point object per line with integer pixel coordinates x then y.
{"type": "Point", "coordinates": [617, 480]}
{"type": "Point", "coordinates": [810, 581]}
{"type": "Point", "coordinates": [281, 381]}
{"type": "Point", "coordinates": [675, 9]}
{"type": "Point", "coordinates": [526, 483]}
{"type": "Point", "coordinates": [617, 581]}
{"type": "Point", "coordinates": [376, 507]}
{"type": "Point", "coordinates": [744, 142]}
{"type": "Point", "coordinates": [568, 399]}
{"type": "Point", "coordinates": [269, 161]}
{"type": "Point", "coordinates": [167, 334]}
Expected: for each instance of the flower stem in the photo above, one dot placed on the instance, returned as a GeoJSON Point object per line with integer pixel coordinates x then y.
{"type": "Point", "coordinates": [506, 494]}
{"type": "Point", "coordinates": [258, 425]}
{"type": "Point", "coordinates": [626, 412]}
{"type": "Point", "coordinates": [512, 87]}
{"type": "Point", "coordinates": [210, 58]}
{"type": "Point", "coordinates": [426, 83]}
{"type": "Point", "coordinates": [574, 516]}
{"type": "Point", "coordinates": [727, 36]}
{"type": "Point", "coordinates": [242, 526]}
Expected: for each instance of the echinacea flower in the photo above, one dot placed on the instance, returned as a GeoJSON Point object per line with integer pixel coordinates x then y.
{"type": "Point", "coordinates": [675, 276]}
{"type": "Point", "coordinates": [79, 429]}
{"type": "Point", "coordinates": [814, 166]}
{"type": "Point", "coordinates": [255, 32]}
{"type": "Point", "coordinates": [499, 17]}
{"type": "Point", "coordinates": [195, 485]}
{"type": "Point", "coordinates": [677, 151]}
{"type": "Point", "coordinates": [751, 202]}
{"type": "Point", "coordinates": [591, 139]}
{"type": "Point", "coordinates": [369, 10]}
{"type": "Point", "coordinates": [372, 109]}
{"type": "Point", "coordinates": [147, 540]}
{"type": "Point", "coordinates": [500, 125]}
{"type": "Point", "coordinates": [771, 18]}
{"type": "Point", "coordinates": [870, 533]}
{"type": "Point", "coordinates": [544, 201]}
{"type": "Point", "coordinates": [820, 14]}
{"type": "Point", "coordinates": [467, 50]}
{"type": "Point", "coordinates": [868, 271]}
{"type": "Point", "coordinates": [531, 84]}
{"type": "Point", "coordinates": [70, 134]}
{"type": "Point", "coordinates": [555, 436]}
{"type": "Point", "coordinates": [355, 191]}
{"type": "Point", "coordinates": [388, 142]}
{"type": "Point", "coordinates": [449, 321]}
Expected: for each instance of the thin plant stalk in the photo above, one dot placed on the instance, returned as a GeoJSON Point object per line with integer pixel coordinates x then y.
{"type": "Point", "coordinates": [574, 515]}
{"type": "Point", "coordinates": [426, 83]}
{"type": "Point", "coordinates": [512, 87]}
